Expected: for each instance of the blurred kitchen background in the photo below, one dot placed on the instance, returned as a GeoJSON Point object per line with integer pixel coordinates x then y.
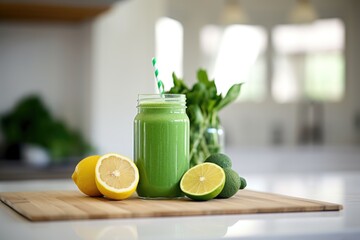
{"type": "Point", "coordinates": [81, 64]}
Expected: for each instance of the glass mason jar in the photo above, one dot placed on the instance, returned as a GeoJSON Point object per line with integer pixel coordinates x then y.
{"type": "Point", "coordinates": [161, 144]}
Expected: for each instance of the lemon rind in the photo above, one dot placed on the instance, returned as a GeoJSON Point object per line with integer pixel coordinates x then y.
{"type": "Point", "coordinates": [112, 189]}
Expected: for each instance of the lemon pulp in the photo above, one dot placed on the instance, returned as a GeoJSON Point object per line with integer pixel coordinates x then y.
{"type": "Point", "coordinates": [116, 176]}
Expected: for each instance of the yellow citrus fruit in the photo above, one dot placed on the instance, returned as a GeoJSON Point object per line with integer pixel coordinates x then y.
{"type": "Point", "coordinates": [84, 176]}
{"type": "Point", "coordinates": [116, 176]}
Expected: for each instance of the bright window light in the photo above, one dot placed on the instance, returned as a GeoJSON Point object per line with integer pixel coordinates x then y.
{"type": "Point", "coordinates": [285, 88]}
{"type": "Point", "coordinates": [322, 35]}
{"type": "Point", "coordinates": [309, 61]}
{"type": "Point", "coordinates": [236, 55]}
{"type": "Point", "coordinates": [169, 49]}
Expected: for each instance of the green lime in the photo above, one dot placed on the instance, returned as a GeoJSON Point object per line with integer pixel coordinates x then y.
{"type": "Point", "coordinates": [203, 182]}
{"type": "Point", "coordinates": [243, 183]}
{"type": "Point", "coordinates": [220, 159]}
{"type": "Point", "coordinates": [232, 184]}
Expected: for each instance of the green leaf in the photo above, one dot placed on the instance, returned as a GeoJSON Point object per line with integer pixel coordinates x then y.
{"type": "Point", "coordinates": [211, 105]}
{"type": "Point", "coordinates": [195, 115]}
{"type": "Point", "coordinates": [179, 86]}
{"type": "Point", "coordinates": [209, 84]}
{"type": "Point", "coordinates": [231, 96]}
{"type": "Point", "coordinates": [203, 77]}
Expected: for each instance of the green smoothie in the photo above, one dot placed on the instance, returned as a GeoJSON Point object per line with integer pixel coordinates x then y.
{"type": "Point", "coordinates": [161, 147]}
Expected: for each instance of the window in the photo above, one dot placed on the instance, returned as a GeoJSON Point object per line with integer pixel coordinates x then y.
{"type": "Point", "coordinates": [169, 49]}
{"type": "Point", "coordinates": [234, 55]}
{"type": "Point", "coordinates": [309, 61]}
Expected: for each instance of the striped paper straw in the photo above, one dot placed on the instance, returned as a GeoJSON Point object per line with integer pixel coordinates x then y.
{"type": "Point", "coordinates": [160, 84]}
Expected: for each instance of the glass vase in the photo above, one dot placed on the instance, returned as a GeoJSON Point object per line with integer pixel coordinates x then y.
{"type": "Point", "coordinates": [208, 142]}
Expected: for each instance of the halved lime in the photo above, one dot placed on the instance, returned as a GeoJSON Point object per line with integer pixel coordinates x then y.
{"type": "Point", "coordinates": [203, 182]}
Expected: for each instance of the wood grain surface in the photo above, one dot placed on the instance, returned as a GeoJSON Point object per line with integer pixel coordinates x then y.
{"type": "Point", "coordinates": [67, 205]}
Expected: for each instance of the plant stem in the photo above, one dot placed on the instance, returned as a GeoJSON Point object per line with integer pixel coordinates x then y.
{"type": "Point", "coordinates": [204, 147]}
{"type": "Point", "coordinates": [202, 129]}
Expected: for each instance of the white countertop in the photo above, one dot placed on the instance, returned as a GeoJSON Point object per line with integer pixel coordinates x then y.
{"type": "Point", "coordinates": [337, 187]}
{"type": "Point", "coordinates": [321, 173]}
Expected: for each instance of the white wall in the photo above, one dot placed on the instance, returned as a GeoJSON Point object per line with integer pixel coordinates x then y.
{"type": "Point", "coordinates": [42, 58]}
{"type": "Point", "coordinates": [123, 46]}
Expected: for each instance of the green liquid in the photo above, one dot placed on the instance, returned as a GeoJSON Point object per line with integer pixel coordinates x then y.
{"type": "Point", "coordinates": [161, 149]}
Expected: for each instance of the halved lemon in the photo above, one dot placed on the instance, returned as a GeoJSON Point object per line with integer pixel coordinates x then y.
{"type": "Point", "coordinates": [116, 176]}
{"type": "Point", "coordinates": [203, 182]}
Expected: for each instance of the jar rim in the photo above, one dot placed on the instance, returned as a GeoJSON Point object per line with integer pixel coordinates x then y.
{"type": "Point", "coordinates": [162, 98]}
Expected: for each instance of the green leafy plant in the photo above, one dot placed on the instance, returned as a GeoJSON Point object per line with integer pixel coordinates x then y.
{"type": "Point", "coordinates": [31, 123]}
{"type": "Point", "coordinates": [203, 106]}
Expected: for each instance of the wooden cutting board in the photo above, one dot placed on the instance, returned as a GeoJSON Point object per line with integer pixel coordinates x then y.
{"type": "Point", "coordinates": [66, 205]}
